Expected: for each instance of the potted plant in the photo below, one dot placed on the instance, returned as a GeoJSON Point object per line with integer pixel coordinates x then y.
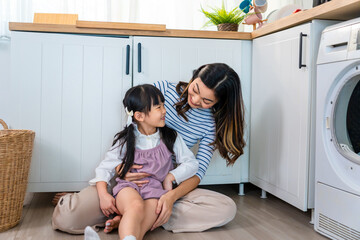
{"type": "Point", "coordinates": [224, 20]}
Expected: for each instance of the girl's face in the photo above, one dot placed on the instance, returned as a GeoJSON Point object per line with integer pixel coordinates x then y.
{"type": "Point", "coordinates": [200, 96]}
{"type": "Point", "coordinates": [156, 117]}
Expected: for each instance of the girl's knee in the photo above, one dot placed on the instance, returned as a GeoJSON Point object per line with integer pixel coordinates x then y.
{"type": "Point", "coordinates": [137, 206]}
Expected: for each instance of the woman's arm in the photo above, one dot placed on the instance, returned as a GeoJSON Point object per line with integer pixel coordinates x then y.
{"type": "Point", "coordinates": [184, 188]}
{"type": "Point", "coordinates": [162, 86]}
{"type": "Point", "coordinates": [188, 165]}
{"type": "Point", "coordinates": [134, 177]}
{"type": "Point", "coordinates": [166, 201]}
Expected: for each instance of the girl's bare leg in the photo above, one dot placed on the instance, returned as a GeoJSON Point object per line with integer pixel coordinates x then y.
{"type": "Point", "coordinates": [132, 209]}
{"type": "Point", "coordinates": [150, 216]}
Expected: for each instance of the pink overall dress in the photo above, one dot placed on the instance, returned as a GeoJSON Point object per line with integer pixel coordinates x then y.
{"type": "Point", "coordinates": [156, 161]}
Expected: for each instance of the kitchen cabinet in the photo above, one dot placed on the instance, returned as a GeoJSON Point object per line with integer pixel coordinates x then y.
{"type": "Point", "coordinates": [68, 88]}
{"type": "Point", "coordinates": [175, 59]}
{"type": "Point", "coordinates": [283, 113]}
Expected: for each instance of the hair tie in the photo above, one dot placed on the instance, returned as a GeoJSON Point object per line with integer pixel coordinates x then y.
{"type": "Point", "coordinates": [130, 114]}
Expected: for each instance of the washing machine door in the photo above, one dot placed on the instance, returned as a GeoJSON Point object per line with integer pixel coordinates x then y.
{"type": "Point", "coordinates": [343, 125]}
{"type": "Point", "coordinates": [346, 118]}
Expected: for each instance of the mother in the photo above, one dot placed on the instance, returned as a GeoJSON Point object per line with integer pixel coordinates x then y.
{"type": "Point", "coordinates": [208, 109]}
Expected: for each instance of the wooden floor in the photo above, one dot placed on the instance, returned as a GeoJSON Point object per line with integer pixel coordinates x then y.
{"type": "Point", "coordinates": [256, 218]}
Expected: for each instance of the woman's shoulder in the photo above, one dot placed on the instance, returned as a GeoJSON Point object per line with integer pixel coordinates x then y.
{"type": "Point", "coordinates": [168, 89]}
{"type": "Point", "coordinates": [165, 85]}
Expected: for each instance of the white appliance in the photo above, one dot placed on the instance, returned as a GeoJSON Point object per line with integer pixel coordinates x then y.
{"type": "Point", "coordinates": [337, 174]}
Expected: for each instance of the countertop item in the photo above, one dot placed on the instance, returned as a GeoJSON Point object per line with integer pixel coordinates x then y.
{"type": "Point", "coordinates": [122, 26]}
{"type": "Point", "coordinates": [281, 13]}
{"type": "Point", "coordinates": [333, 10]}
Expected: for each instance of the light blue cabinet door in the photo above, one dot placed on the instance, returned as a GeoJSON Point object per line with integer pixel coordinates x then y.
{"type": "Point", "coordinates": [175, 59]}
{"type": "Point", "coordinates": [280, 114]}
{"type": "Point", "coordinates": [69, 90]}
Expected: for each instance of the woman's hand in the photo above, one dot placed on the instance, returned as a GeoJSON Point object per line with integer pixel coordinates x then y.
{"type": "Point", "coordinates": [166, 201]}
{"type": "Point", "coordinates": [164, 209]}
{"type": "Point", "coordinates": [167, 183]}
{"type": "Point", "coordinates": [107, 205]}
{"type": "Point", "coordinates": [134, 177]}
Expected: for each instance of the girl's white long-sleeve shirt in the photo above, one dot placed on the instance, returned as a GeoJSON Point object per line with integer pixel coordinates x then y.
{"type": "Point", "coordinates": [188, 165]}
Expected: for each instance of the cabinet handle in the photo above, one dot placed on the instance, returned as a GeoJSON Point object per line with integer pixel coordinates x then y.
{"type": "Point", "coordinates": [300, 50]}
{"type": "Point", "coordinates": [127, 59]}
{"type": "Point", "coordinates": [139, 57]}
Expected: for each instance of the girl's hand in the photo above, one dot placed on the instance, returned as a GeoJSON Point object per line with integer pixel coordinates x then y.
{"type": "Point", "coordinates": [164, 208]}
{"type": "Point", "coordinates": [167, 183]}
{"type": "Point", "coordinates": [135, 177]}
{"type": "Point", "coordinates": [107, 205]}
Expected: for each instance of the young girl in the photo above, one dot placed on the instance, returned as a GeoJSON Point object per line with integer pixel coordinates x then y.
{"type": "Point", "coordinates": [146, 142]}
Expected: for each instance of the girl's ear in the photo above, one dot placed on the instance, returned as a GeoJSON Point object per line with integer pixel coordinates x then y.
{"type": "Point", "coordinates": [139, 116]}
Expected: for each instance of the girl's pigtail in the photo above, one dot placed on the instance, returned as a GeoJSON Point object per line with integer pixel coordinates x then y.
{"type": "Point", "coordinates": [128, 160]}
{"type": "Point", "coordinates": [168, 136]}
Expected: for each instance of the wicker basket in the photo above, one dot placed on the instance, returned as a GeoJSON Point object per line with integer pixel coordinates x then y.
{"type": "Point", "coordinates": [228, 27]}
{"type": "Point", "coordinates": [15, 156]}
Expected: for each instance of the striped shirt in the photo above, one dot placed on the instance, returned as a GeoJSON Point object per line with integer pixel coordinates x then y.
{"type": "Point", "coordinates": [200, 127]}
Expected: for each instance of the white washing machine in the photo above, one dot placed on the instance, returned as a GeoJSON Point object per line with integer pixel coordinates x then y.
{"type": "Point", "coordinates": [337, 174]}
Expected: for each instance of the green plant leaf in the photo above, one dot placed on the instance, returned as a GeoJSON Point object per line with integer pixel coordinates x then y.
{"type": "Point", "coordinates": [219, 15]}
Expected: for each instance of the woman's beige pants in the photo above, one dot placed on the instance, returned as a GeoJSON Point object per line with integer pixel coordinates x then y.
{"type": "Point", "coordinates": [197, 211]}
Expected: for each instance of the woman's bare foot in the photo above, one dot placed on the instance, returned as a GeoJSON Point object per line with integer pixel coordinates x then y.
{"type": "Point", "coordinates": [112, 224]}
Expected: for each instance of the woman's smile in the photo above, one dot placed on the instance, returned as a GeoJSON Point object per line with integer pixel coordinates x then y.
{"type": "Point", "coordinates": [192, 103]}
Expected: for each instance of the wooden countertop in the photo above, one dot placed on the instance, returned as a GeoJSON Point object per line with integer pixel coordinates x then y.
{"type": "Point", "coordinates": [333, 10]}
{"type": "Point", "coordinates": [39, 27]}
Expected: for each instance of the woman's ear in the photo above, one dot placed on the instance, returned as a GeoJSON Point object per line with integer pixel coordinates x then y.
{"type": "Point", "coordinates": [139, 116]}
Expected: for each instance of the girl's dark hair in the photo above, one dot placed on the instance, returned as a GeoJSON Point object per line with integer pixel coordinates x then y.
{"type": "Point", "coordinates": [140, 99]}
{"type": "Point", "coordinates": [228, 111]}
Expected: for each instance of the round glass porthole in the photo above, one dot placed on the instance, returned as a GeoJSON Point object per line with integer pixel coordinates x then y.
{"type": "Point", "coordinates": [346, 120]}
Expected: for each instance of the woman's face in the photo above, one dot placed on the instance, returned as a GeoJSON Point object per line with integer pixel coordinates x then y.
{"type": "Point", "coordinates": [200, 96]}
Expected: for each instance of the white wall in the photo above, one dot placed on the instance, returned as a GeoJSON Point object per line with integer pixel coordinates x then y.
{"type": "Point", "coordinates": [4, 79]}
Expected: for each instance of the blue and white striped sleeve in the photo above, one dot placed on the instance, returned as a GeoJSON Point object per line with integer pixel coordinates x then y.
{"type": "Point", "coordinates": [205, 152]}
{"type": "Point", "coordinates": [162, 86]}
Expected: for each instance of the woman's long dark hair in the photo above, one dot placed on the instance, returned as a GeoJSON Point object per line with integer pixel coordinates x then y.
{"type": "Point", "coordinates": [228, 111]}
{"type": "Point", "coordinates": [140, 99]}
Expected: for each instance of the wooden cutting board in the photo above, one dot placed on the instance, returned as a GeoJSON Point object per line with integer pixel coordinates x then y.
{"type": "Point", "coordinates": [55, 18]}
{"type": "Point", "coordinates": [121, 25]}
